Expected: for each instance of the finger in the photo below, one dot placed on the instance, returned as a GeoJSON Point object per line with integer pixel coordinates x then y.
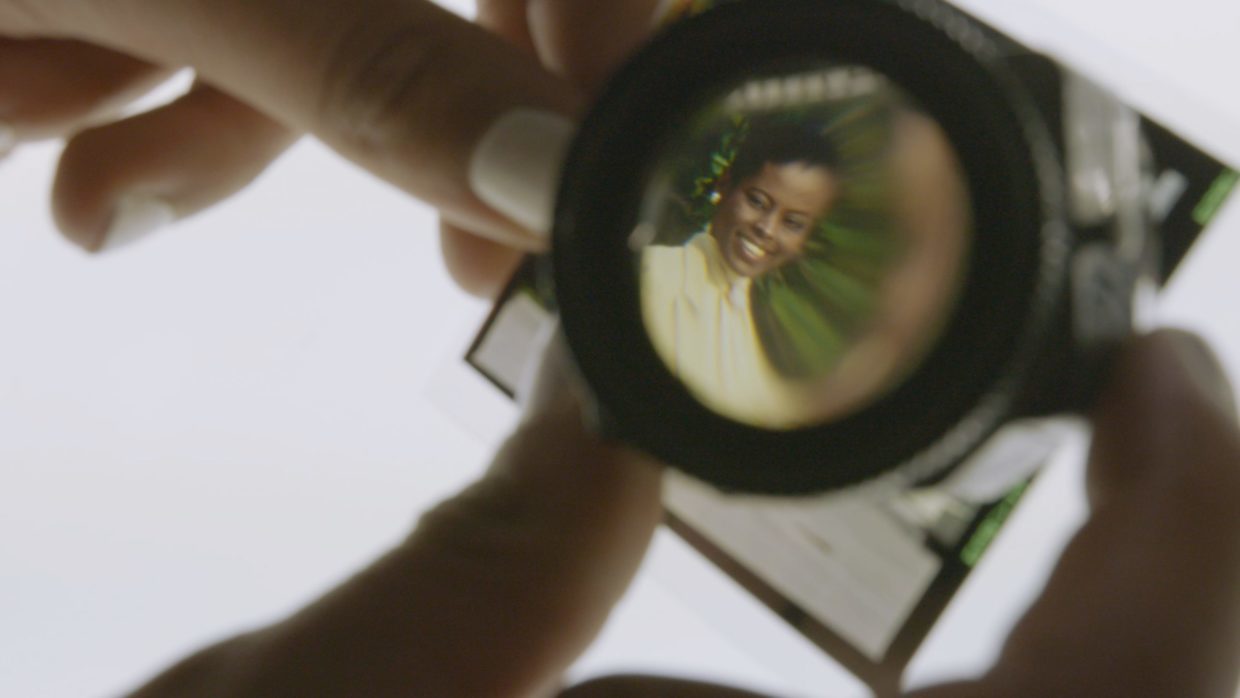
{"type": "Point", "coordinates": [1145, 600]}
{"type": "Point", "coordinates": [51, 87]}
{"type": "Point", "coordinates": [1161, 384]}
{"type": "Point", "coordinates": [404, 88]}
{"type": "Point", "coordinates": [586, 42]}
{"type": "Point", "coordinates": [121, 181]}
{"type": "Point", "coordinates": [494, 594]}
{"type": "Point", "coordinates": [479, 266]}
{"type": "Point", "coordinates": [535, 556]}
{"type": "Point", "coordinates": [501, 588]}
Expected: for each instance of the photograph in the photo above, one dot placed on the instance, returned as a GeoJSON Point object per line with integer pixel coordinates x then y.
{"type": "Point", "coordinates": [801, 245]}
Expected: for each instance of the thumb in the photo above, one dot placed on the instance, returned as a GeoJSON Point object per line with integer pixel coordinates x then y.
{"type": "Point", "coordinates": [525, 566]}
{"type": "Point", "coordinates": [1168, 420]}
{"type": "Point", "coordinates": [1145, 599]}
{"type": "Point", "coordinates": [495, 594]}
{"type": "Point", "coordinates": [404, 88]}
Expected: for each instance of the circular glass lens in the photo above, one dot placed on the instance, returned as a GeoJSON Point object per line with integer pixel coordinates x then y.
{"type": "Point", "coordinates": [801, 242]}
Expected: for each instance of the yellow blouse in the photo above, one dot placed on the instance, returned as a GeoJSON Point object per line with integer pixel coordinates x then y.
{"type": "Point", "coordinates": [697, 311]}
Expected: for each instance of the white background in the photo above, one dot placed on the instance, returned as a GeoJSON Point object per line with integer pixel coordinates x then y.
{"type": "Point", "coordinates": [202, 433]}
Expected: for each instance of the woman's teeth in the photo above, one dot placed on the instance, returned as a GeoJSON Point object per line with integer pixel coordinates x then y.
{"type": "Point", "coordinates": [751, 250]}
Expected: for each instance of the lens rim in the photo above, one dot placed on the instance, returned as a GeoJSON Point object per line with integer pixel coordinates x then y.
{"type": "Point", "coordinates": [962, 389]}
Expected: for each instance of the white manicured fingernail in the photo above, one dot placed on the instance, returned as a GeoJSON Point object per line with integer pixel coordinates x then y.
{"type": "Point", "coordinates": [516, 166]}
{"type": "Point", "coordinates": [8, 138]}
{"type": "Point", "coordinates": [136, 217]}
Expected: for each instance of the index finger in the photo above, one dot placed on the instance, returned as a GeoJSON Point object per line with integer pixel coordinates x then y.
{"type": "Point", "coordinates": [583, 42]}
{"type": "Point", "coordinates": [404, 88]}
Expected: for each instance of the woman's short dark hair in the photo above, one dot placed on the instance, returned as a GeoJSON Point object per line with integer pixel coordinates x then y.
{"type": "Point", "coordinates": [782, 142]}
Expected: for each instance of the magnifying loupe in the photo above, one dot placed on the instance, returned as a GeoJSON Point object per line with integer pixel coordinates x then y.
{"type": "Point", "coordinates": [800, 245]}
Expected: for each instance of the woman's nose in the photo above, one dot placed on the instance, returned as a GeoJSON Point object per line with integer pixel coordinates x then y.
{"type": "Point", "coordinates": [766, 225]}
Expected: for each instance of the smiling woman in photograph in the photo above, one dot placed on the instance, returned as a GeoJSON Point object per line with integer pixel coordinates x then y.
{"type": "Point", "coordinates": [808, 268]}
{"type": "Point", "coordinates": [697, 297]}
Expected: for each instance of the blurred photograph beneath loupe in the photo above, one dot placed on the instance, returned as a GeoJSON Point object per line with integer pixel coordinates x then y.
{"type": "Point", "coordinates": [800, 246]}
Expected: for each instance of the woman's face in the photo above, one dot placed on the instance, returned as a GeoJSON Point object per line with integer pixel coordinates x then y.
{"type": "Point", "coordinates": [763, 222]}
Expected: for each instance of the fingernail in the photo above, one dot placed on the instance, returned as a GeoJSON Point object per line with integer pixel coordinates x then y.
{"type": "Point", "coordinates": [1204, 370]}
{"type": "Point", "coordinates": [516, 166]}
{"type": "Point", "coordinates": [136, 216]}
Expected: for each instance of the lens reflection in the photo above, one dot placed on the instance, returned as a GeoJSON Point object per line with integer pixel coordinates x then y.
{"type": "Point", "coordinates": [801, 245]}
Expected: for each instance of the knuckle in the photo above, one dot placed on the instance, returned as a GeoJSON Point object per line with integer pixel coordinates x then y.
{"type": "Point", "coordinates": [375, 87]}
{"type": "Point", "coordinates": [488, 525]}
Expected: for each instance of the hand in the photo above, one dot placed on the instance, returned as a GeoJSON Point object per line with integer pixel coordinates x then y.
{"type": "Point", "coordinates": [1145, 600]}
{"type": "Point", "coordinates": [523, 568]}
{"type": "Point", "coordinates": [497, 591]}
{"type": "Point", "coordinates": [530, 559]}
{"type": "Point", "coordinates": [583, 42]}
{"type": "Point", "coordinates": [403, 88]}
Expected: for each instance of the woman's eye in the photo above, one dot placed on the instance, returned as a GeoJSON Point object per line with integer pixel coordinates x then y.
{"type": "Point", "coordinates": [756, 201]}
{"type": "Point", "coordinates": [795, 225]}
